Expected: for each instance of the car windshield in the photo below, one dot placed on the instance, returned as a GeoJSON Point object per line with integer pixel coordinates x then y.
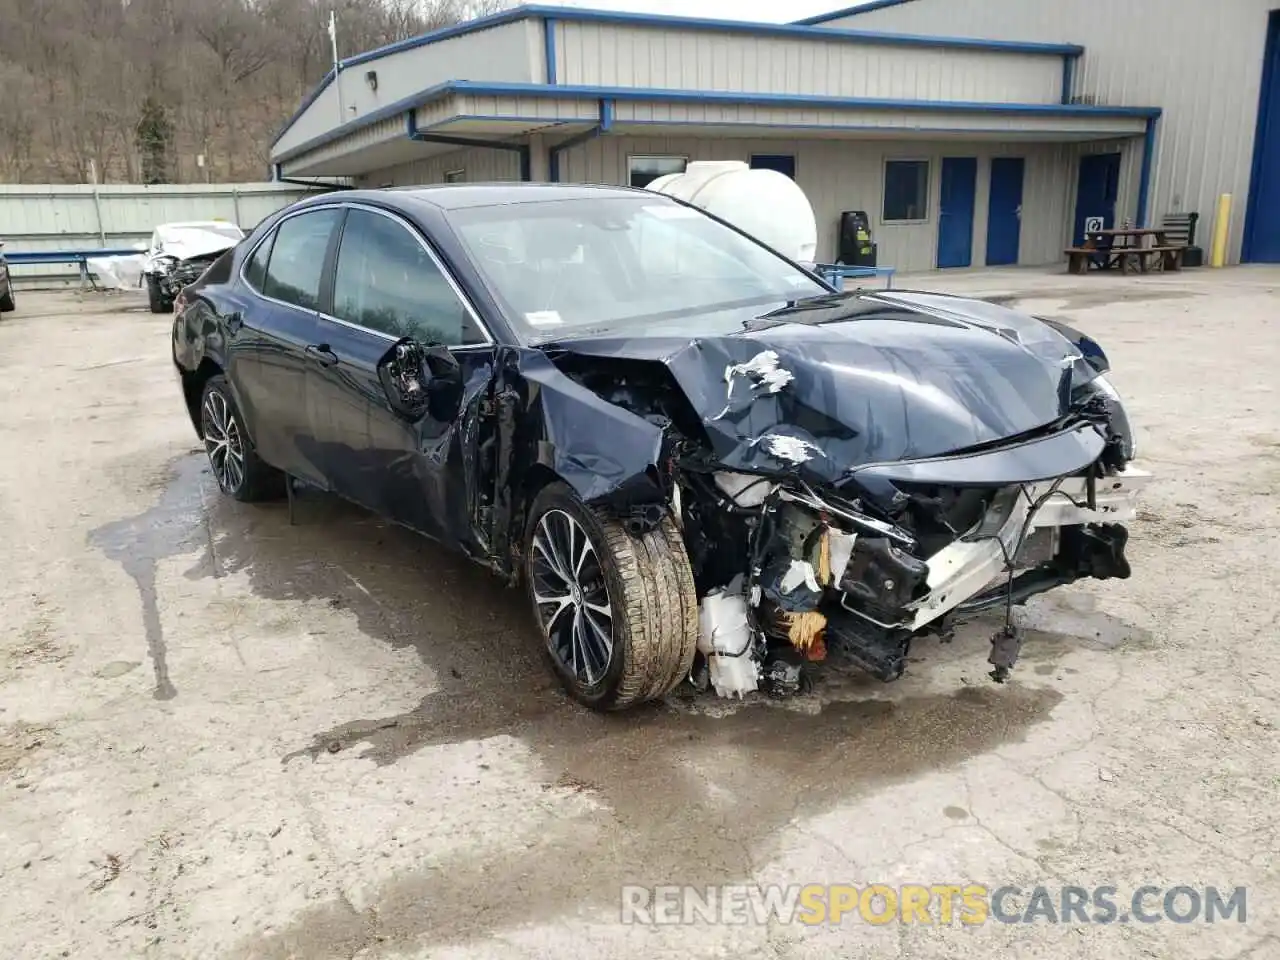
{"type": "Point", "coordinates": [563, 266]}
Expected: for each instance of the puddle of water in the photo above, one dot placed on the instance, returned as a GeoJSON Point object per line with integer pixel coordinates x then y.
{"type": "Point", "coordinates": [174, 526]}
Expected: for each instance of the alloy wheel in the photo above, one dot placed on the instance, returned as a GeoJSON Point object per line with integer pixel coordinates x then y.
{"type": "Point", "coordinates": [571, 598]}
{"type": "Point", "coordinates": [223, 443]}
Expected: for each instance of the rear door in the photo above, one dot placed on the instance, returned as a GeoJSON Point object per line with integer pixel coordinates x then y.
{"type": "Point", "coordinates": [284, 274]}
{"type": "Point", "coordinates": [388, 284]}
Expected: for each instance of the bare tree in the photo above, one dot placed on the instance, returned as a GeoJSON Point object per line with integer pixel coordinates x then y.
{"type": "Point", "coordinates": [81, 76]}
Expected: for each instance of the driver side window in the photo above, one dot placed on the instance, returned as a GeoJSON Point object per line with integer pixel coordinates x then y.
{"type": "Point", "coordinates": [387, 281]}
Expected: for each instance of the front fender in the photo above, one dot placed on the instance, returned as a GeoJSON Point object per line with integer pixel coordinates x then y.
{"type": "Point", "coordinates": [600, 450]}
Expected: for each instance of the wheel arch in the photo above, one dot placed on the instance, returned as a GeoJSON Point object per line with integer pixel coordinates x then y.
{"type": "Point", "coordinates": [193, 382]}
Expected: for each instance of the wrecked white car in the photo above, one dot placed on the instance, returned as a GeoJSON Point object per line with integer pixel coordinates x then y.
{"type": "Point", "coordinates": [179, 253]}
{"type": "Point", "coordinates": [176, 256]}
{"type": "Point", "coordinates": [702, 461]}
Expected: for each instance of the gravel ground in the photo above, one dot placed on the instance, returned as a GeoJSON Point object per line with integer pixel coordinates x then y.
{"type": "Point", "coordinates": [225, 736]}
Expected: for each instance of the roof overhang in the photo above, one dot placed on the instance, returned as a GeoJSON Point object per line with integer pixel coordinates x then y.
{"type": "Point", "coordinates": [544, 19]}
{"type": "Point", "coordinates": [504, 115]}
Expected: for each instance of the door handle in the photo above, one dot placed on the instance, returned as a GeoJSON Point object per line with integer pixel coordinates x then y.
{"type": "Point", "coordinates": [321, 353]}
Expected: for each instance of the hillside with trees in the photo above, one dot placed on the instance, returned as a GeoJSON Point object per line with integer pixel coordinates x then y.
{"type": "Point", "coordinates": [137, 90]}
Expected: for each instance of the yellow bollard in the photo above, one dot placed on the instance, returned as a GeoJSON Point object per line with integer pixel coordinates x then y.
{"type": "Point", "coordinates": [1221, 230]}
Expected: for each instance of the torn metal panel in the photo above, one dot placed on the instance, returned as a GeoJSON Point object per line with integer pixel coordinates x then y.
{"type": "Point", "coordinates": [598, 448]}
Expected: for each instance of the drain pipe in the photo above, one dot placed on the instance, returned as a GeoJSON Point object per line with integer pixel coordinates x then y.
{"type": "Point", "coordinates": [604, 126]}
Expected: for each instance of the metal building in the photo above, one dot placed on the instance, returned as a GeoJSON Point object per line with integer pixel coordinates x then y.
{"type": "Point", "coordinates": [1212, 68]}
{"type": "Point", "coordinates": [962, 151]}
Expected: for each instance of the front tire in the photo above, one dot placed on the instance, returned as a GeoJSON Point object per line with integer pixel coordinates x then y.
{"type": "Point", "coordinates": [156, 298]}
{"type": "Point", "coordinates": [7, 303]}
{"type": "Point", "coordinates": [240, 472]}
{"type": "Point", "coordinates": [618, 613]}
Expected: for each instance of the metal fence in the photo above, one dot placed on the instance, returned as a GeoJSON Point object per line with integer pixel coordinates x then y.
{"type": "Point", "coordinates": [36, 218]}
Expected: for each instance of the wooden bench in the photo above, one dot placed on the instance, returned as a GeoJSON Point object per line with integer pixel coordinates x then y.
{"type": "Point", "coordinates": [1078, 258]}
{"type": "Point", "coordinates": [1125, 249]}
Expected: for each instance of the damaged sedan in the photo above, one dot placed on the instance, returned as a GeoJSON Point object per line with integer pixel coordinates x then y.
{"type": "Point", "coordinates": [701, 462]}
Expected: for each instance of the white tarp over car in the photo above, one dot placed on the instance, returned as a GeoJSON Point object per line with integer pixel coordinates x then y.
{"type": "Point", "coordinates": [179, 241]}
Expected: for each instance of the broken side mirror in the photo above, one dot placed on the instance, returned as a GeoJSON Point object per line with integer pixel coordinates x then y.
{"type": "Point", "coordinates": [421, 380]}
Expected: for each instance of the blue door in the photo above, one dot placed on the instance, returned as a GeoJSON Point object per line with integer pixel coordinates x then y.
{"type": "Point", "coordinates": [1096, 191]}
{"type": "Point", "coordinates": [1262, 216]}
{"type": "Point", "coordinates": [955, 211]}
{"type": "Point", "coordinates": [781, 162]}
{"type": "Point", "coordinates": [1004, 211]}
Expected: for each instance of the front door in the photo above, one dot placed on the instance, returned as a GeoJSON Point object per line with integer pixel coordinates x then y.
{"type": "Point", "coordinates": [955, 211]}
{"type": "Point", "coordinates": [279, 323]}
{"type": "Point", "coordinates": [1004, 211]}
{"type": "Point", "coordinates": [387, 285]}
{"type": "Point", "coordinates": [1096, 191]}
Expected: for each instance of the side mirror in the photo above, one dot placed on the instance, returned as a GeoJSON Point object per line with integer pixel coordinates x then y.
{"type": "Point", "coordinates": [420, 380]}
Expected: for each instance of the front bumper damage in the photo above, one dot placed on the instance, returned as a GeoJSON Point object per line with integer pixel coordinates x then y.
{"type": "Point", "coordinates": [843, 584]}
{"type": "Point", "coordinates": [964, 569]}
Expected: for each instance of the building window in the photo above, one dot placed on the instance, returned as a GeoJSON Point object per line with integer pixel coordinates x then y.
{"type": "Point", "coordinates": [642, 171]}
{"type": "Point", "coordinates": [906, 191]}
{"type": "Point", "coordinates": [455, 176]}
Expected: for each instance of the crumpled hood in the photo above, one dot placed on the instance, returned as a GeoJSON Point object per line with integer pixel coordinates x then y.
{"type": "Point", "coordinates": [869, 379]}
{"type": "Point", "coordinates": [183, 241]}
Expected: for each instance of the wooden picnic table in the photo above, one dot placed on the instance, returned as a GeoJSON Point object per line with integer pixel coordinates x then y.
{"type": "Point", "coordinates": [1127, 249]}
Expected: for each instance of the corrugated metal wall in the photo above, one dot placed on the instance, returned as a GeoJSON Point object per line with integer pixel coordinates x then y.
{"type": "Point", "coordinates": [74, 217]}
{"type": "Point", "coordinates": [1201, 62]}
{"type": "Point", "coordinates": [621, 55]}
{"type": "Point", "coordinates": [503, 53]}
{"type": "Point", "coordinates": [837, 175]}
{"type": "Point", "coordinates": [849, 175]}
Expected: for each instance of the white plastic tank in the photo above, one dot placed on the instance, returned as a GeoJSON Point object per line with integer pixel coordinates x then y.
{"type": "Point", "coordinates": [764, 203]}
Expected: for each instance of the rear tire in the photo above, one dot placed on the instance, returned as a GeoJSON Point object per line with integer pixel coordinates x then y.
{"type": "Point", "coordinates": [638, 589]}
{"type": "Point", "coordinates": [7, 303]}
{"type": "Point", "coordinates": [156, 298]}
{"type": "Point", "coordinates": [240, 472]}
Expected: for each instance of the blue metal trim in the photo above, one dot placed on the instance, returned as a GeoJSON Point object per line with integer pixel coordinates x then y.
{"type": "Point", "coordinates": [606, 115]}
{"type": "Point", "coordinates": [850, 11]}
{"type": "Point", "coordinates": [512, 118]}
{"type": "Point", "coordinates": [702, 23]}
{"type": "Point", "coordinates": [549, 47]}
{"type": "Point", "coordinates": [1144, 183]}
{"type": "Point", "coordinates": [1068, 77]}
{"type": "Point", "coordinates": [747, 125]}
{"type": "Point", "coordinates": [545, 91]}
{"type": "Point", "coordinates": [789, 99]}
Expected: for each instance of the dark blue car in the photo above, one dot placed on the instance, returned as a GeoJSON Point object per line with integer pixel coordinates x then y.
{"type": "Point", "coordinates": [630, 406]}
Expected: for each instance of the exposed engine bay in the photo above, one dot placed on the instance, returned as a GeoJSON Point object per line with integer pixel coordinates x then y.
{"type": "Point", "coordinates": [804, 553]}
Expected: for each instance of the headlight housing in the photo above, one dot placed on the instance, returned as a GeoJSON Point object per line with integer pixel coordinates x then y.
{"type": "Point", "coordinates": [1120, 424]}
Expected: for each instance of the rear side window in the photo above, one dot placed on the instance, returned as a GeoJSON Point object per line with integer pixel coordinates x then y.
{"type": "Point", "coordinates": [255, 271]}
{"type": "Point", "coordinates": [387, 281]}
{"type": "Point", "coordinates": [296, 263]}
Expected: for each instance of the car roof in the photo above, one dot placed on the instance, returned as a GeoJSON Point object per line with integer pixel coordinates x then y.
{"type": "Point", "coordinates": [458, 196]}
